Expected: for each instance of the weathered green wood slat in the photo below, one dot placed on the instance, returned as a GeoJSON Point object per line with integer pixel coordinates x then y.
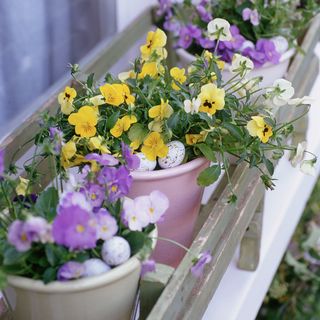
{"type": "Point", "coordinates": [99, 61]}
{"type": "Point", "coordinates": [187, 298]}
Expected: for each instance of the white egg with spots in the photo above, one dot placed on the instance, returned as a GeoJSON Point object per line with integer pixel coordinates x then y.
{"type": "Point", "coordinates": [175, 155]}
{"type": "Point", "coordinates": [145, 164]}
{"type": "Point", "coordinates": [94, 267]}
{"type": "Point", "coordinates": [115, 251]}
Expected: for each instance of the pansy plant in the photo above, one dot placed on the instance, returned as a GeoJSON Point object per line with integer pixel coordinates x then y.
{"type": "Point", "coordinates": [261, 30]}
{"type": "Point", "coordinates": [152, 105]}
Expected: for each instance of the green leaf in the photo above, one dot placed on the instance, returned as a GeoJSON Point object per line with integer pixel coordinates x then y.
{"type": "Point", "coordinates": [269, 165]}
{"type": "Point", "coordinates": [207, 152]}
{"type": "Point", "coordinates": [3, 279]}
{"type": "Point", "coordinates": [234, 130]}
{"type": "Point", "coordinates": [137, 240]}
{"type": "Point", "coordinates": [209, 175]}
{"type": "Point", "coordinates": [90, 80]}
{"type": "Point", "coordinates": [49, 275]}
{"type": "Point", "coordinates": [137, 132]}
{"type": "Point", "coordinates": [46, 204]}
{"type": "Point", "coordinates": [111, 121]}
{"type": "Point", "coordinates": [12, 256]}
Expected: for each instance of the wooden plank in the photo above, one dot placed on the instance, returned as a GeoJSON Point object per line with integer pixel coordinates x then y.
{"type": "Point", "coordinates": [251, 242]}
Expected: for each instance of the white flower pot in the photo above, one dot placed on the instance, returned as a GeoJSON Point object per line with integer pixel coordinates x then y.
{"type": "Point", "coordinates": [270, 72]}
{"type": "Point", "coordinates": [108, 296]}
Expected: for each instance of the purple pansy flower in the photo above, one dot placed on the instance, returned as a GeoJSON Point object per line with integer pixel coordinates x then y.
{"type": "Point", "coordinates": [269, 49]}
{"type": "Point", "coordinates": [206, 43]}
{"type": "Point", "coordinates": [258, 58]}
{"type": "Point", "coordinates": [147, 266]}
{"type": "Point", "coordinates": [18, 237]}
{"type": "Point", "coordinates": [107, 225]}
{"type": "Point", "coordinates": [71, 270]}
{"type": "Point", "coordinates": [226, 49]}
{"type": "Point", "coordinates": [252, 15]}
{"type": "Point", "coordinates": [185, 39]}
{"type": "Point", "coordinates": [164, 6]}
{"type": "Point", "coordinates": [132, 161]}
{"type": "Point", "coordinates": [56, 137]}
{"type": "Point", "coordinates": [21, 234]}
{"type": "Point", "coordinates": [204, 258]}
{"type": "Point", "coordinates": [118, 181]}
{"type": "Point", "coordinates": [72, 198]}
{"type": "Point", "coordinates": [95, 193]}
{"type": "Point", "coordinates": [205, 15]}
{"type": "Point", "coordinates": [38, 229]}
{"type": "Point", "coordinates": [103, 159]}
{"type": "Point", "coordinates": [75, 228]}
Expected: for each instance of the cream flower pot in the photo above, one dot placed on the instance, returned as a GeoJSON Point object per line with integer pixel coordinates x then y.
{"type": "Point", "coordinates": [270, 72]}
{"type": "Point", "coordinates": [108, 296]}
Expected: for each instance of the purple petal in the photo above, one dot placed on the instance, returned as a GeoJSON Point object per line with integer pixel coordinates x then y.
{"type": "Point", "coordinates": [197, 269]}
{"type": "Point", "coordinates": [103, 159]}
{"type": "Point", "coordinates": [147, 266]}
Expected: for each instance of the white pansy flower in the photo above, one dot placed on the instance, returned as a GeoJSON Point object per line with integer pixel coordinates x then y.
{"type": "Point", "coordinates": [192, 106]}
{"type": "Point", "coordinates": [241, 64]}
{"type": "Point", "coordinates": [308, 167]}
{"type": "Point", "coordinates": [303, 100]}
{"type": "Point", "coordinates": [281, 44]}
{"type": "Point", "coordinates": [219, 29]}
{"type": "Point", "coordinates": [123, 76]}
{"type": "Point", "coordinates": [297, 158]}
{"type": "Point", "coordinates": [282, 91]}
{"type": "Point", "coordinates": [98, 100]}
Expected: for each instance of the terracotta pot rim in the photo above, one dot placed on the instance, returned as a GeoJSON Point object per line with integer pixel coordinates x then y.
{"type": "Point", "coordinates": [284, 57]}
{"type": "Point", "coordinates": [169, 173]}
{"type": "Point", "coordinates": [80, 284]}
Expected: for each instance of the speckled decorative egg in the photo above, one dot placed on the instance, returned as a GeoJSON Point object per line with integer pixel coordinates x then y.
{"type": "Point", "coordinates": [175, 155]}
{"type": "Point", "coordinates": [115, 251]}
{"type": "Point", "coordinates": [94, 267]}
{"type": "Point", "coordinates": [145, 164]}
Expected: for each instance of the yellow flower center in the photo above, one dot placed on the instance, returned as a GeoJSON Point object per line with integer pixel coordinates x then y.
{"type": "Point", "coordinates": [24, 237]}
{"type": "Point", "coordinates": [93, 196]}
{"type": "Point", "coordinates": [114, 188]}
{"type": "Point", "coordinates": [80, 228]}
{"type": "Point", "coordinates": [151, 210]}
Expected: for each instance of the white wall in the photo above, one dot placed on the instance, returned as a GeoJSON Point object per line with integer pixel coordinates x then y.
{"type": "Point", "coordinates": [127, 10]}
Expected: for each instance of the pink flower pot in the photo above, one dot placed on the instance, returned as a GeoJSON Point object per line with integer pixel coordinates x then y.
{"type": "Point", "coordinates": [180, 186]}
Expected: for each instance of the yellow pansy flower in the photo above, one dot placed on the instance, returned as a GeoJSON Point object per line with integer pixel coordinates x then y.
{"type": "Point", "coordinates": [161, 111]}
{"type": "Point", "coordinates": [154, 146]}
{"type": "Point", "coordinates": [65, 100]}
{"type": "Point", "coordinates": [155, 40]}
{"type": "Point", "coordinates": [195, 138]}
{"type": "Point", "coordinates": [258, 128]}
{"type": "Point", "coordinates": [96, 143]}
{"type": "Point", "coordinates": [22, 186]}
{"type": "Point", "coordinates": [123, 125]}
{"type": "Point", "coordinates": [68, 150]}
{"type": "Point", "coordinates": [113, 94]}
{"type": "Point", "coordinates": [134, 145]}
{"type": "Point", "coordinates": [85, 121]}
{"type": "Point", "coordinates": [212, 98]}
{"type": "Point", "coordinates": [152, 69]}
{"type": "Point", "coordinates": [128, 97]}
{"type": "Point", "coordinates": [178, 75]}
{"type": "Point", "coordinates": [207, 55]}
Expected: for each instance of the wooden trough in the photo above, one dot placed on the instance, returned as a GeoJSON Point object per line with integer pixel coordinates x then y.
{"type": "Point", "coordinates": [174, 293]}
